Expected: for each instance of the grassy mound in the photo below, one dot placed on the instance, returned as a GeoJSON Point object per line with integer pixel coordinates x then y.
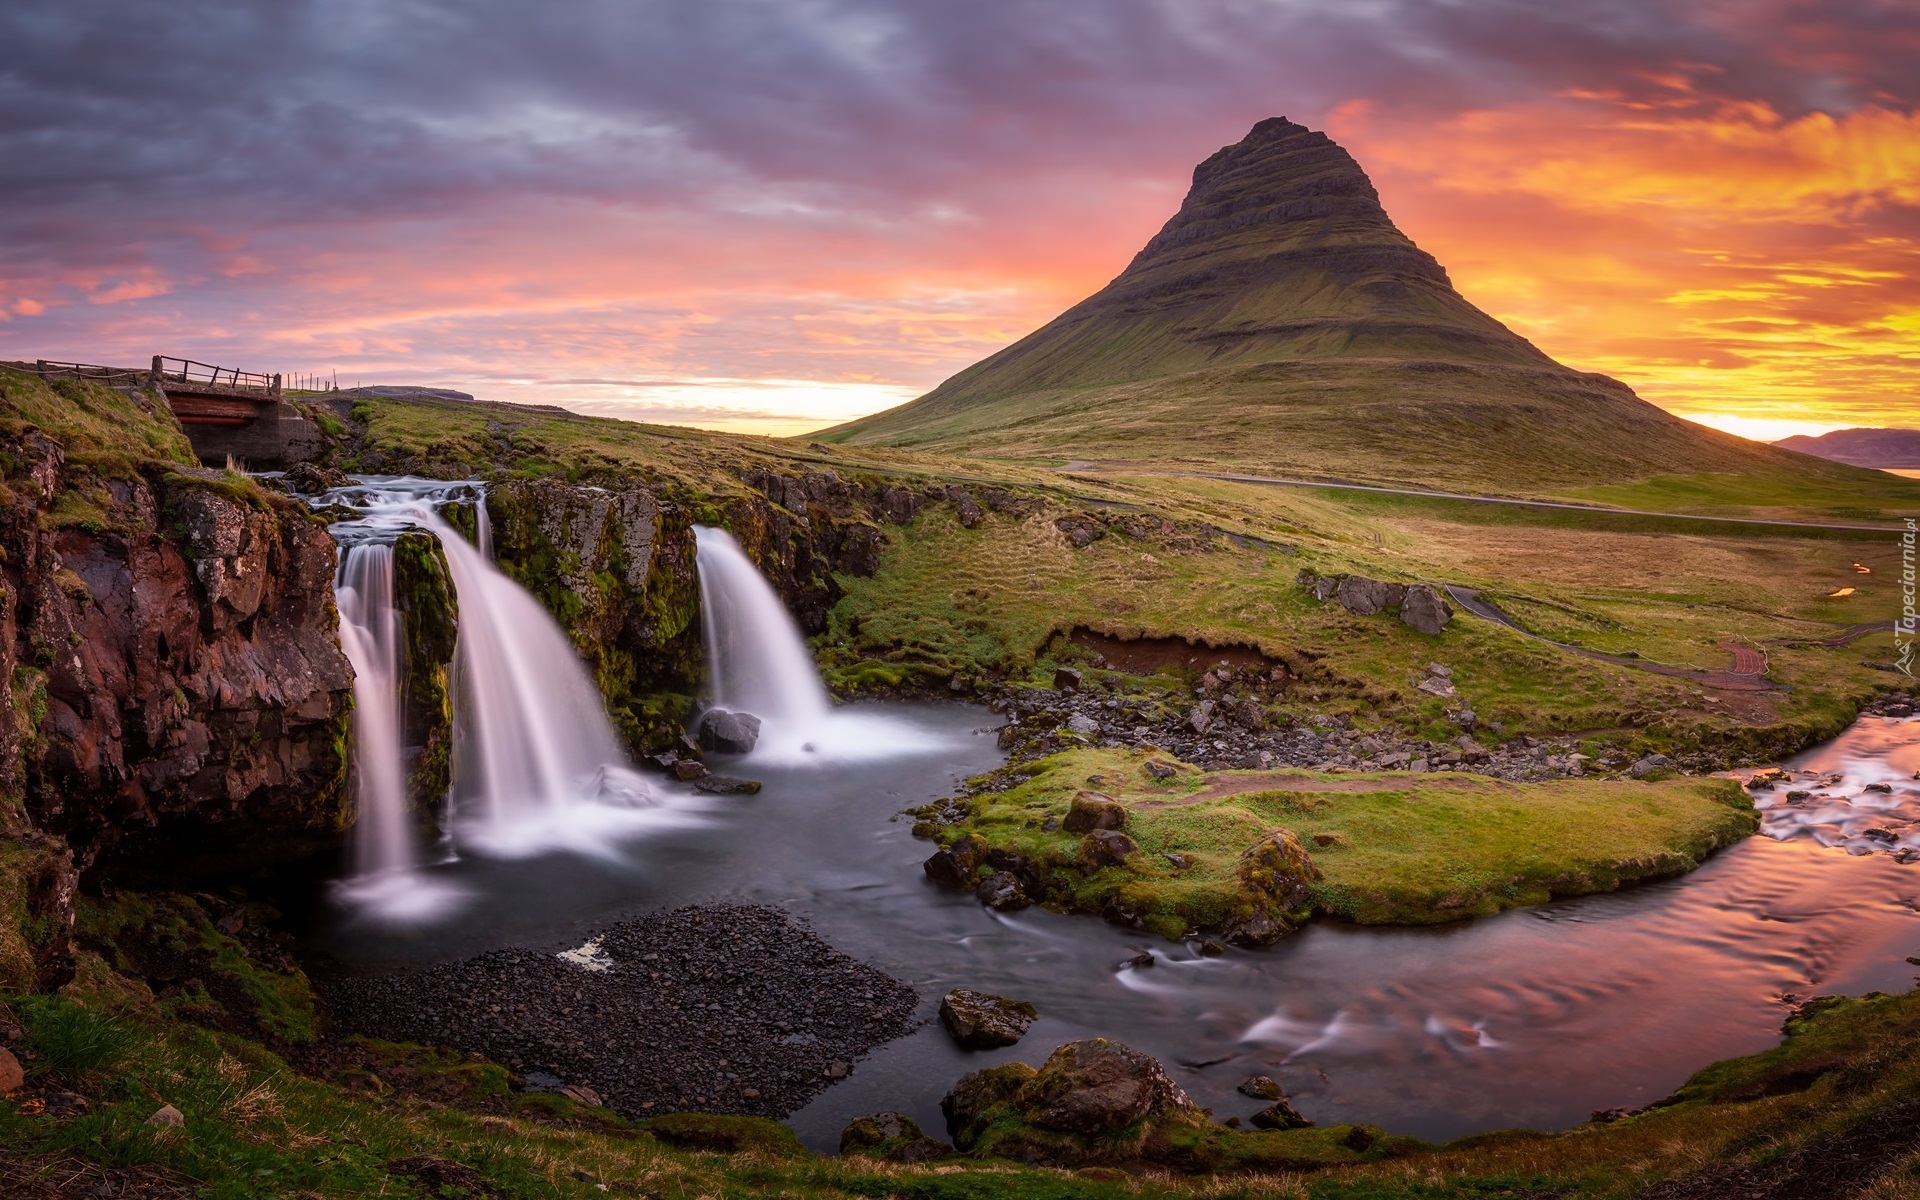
{"type": "Point", "coordinates": [1388, 848]}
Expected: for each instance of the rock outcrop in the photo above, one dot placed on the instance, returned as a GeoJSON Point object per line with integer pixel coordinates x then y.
{"type": "Point", "coordinates": [978, 1021]}
{"type": "Point", "coordinates": [1091, 1100]}
{"type": "Point", "coordinates": [1419, 605]}
{"type": "Point", "coordinates": [177, 683]}
{"type": "Point", "coordinates": [891, 1137]}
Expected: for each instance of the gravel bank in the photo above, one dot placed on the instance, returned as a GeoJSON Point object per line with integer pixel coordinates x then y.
{"type": "Point", "coordinates": [705, 1009]}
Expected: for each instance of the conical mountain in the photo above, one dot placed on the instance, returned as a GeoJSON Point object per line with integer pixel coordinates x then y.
{"type": "Point", "coordinates": [1280, 321]}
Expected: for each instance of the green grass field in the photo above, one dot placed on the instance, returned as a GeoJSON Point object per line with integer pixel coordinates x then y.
{"type": "Point", "coordinates": [1390, 848]}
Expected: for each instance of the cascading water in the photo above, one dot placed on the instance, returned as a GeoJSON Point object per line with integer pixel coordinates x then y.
{"type": "Point", "coordinates": [370, 635]}
{"type": "Point", "coordinates": [483, 528]}
{"type": "Point", "coordinates": [536, 764]}
{"type": "Point", "coordinates": [387, 881]}
{"type": "Point", "coordinates": [754, 651]}
{"type": "Point", "coordinates": [760, 665]}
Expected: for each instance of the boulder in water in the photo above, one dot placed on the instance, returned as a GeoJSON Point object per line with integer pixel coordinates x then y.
{"type": "Point", "coordinates": [724, 732]}
{"type": "Point", "coordinates": [1279, 1115]}
{"type": "Point", "coordinates": [1002, 892]}
{"type": "Point", "coordinates": [726, 785]}
{"type": "Point", "coordinates": [1097, 1086]}
{"type": "Point", "coordinates": [954, 866]}
{"type": "Point", "coordinates": [978, 1021]}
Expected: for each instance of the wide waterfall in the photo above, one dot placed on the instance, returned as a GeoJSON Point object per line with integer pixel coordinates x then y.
{"type": "Point", "coordinates": [536, 763]}
{"type": "Point", "coordinates": [760, 665]}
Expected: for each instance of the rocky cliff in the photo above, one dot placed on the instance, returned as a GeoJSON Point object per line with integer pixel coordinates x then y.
{"type": "Point", "coordinates": [177, 687]}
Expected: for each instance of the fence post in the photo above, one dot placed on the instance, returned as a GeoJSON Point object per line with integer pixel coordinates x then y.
{"type": "Point", "coordinates": [154, 381]}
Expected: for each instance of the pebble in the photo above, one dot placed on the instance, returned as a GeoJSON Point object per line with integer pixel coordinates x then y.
{"type": "Point", "coordinates": [722, 1008]}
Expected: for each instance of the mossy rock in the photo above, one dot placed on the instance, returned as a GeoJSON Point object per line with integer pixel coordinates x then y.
{"type": "Point", "coordinates": [724, 1134]}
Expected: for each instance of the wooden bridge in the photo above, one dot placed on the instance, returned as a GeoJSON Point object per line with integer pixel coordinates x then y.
{"type": "Point", "coordinates": [204, 394]}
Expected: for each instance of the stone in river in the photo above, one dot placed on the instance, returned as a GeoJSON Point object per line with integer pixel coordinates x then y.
{"type": "Point", "coordinates": [726, 785]}
{"type": "Point", "coordinates": [1279, 1115]}
{"type": "Point", "coordinates": [1002, 891]}
{"type": "Point", "coordinates": [979, 1021]}
{"type": "Point", "coordinates": [725, 732]}
{"type": "Point", "coordinates": [1261, 1087]}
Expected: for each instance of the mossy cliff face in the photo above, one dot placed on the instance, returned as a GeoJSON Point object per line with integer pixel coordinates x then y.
{"type": "Point", "coordinates": [423, 591]}
{"type": "Point", "coordinates": [616, 566]}
{"type": "Point", "coordinates": [616, 569]}
{"type": "Point", "coordinates": [177, 683]}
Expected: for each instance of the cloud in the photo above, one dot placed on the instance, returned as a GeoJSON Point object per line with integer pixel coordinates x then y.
{"type": "Point", "coordinates": [1688, 194]}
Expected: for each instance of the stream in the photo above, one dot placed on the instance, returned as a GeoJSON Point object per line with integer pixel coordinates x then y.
{"type": "Point", "coordinates": [1532, 1018]}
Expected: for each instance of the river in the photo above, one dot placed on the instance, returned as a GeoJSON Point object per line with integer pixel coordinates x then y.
{"type": "Point", "coordinates": [1533, 1018]}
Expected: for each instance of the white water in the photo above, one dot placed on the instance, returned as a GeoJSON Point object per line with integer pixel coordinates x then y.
{"type": "Point", "coordinates": [386, 879]}
{"type": "Point", "coordinates": [370, 635]}
{"type": "Point", "coordinates": [536, 764]}
{"type": "Point", "coordinates": [760, 665]}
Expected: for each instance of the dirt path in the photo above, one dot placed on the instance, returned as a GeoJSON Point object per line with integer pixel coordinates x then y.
{"type": "Point", "coordinates": [1747, 674]}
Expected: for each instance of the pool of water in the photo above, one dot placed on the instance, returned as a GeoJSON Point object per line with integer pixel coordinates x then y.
{"type": "Point", "coordinates": [1531, 1018]}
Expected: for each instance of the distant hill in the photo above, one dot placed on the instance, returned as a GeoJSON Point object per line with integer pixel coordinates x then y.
{"type": "Point", "coordinates": [1893, 449]}
{"type": "Point", "coordinates": [1279, 322]}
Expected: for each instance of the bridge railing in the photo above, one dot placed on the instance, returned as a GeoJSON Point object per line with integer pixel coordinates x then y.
{"type": "Point", "coordinates": [185, 372]}
{"type": "Point", "coordinates": [47, 368]}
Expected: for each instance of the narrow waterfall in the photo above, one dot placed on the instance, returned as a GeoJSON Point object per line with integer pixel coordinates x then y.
{"type": "Point", "coordinates": [370, 635]}
{"type": "Point", "coordinates": [759, 664]}
{"type": "Point", "coordinates": [758, 661]}
{"type": "Point", "coordinates": [387, 882]}
{"type": "Point", "coordinates": [483, 526]}
{"type": "Point", "coordinates": [536, 763]}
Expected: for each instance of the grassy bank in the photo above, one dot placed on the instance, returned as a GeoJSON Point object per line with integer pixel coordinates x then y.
{"type": "Point", "coordinates": [1385, 848]}
{"type": "Point", "coordinates": [1830, 1108]}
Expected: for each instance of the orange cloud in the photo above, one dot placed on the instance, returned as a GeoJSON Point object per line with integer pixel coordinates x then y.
{"type": "Point", "coordinates": [1725, 260]}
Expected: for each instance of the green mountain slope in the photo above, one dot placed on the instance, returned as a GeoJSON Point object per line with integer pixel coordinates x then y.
{"type": "Point", "coordinates": [1280, 321]}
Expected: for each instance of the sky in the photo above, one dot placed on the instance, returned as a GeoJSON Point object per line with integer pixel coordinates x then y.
{"type": "Point", "coordinates": [774, 215]}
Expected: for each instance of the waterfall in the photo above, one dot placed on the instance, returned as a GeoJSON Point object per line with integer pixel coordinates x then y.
{"type": "Point", "coordinates": [754, 651]}
{"type": "Point", "coordinates": [759, 664]}
{"type": "Point", "coordinates": [370, 635]}
{"type": "Point", "coordinates": [536, 763]}
{"type": "Point", "coordinates": [483, 527]}
{"type": "Point", "coordinates": [534, 755]}
{"type": "Point", "coordinates": [385, 859]}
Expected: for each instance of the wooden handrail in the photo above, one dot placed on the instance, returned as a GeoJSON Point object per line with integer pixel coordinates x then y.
{"type": "Point", "coordinates": [214, 376]}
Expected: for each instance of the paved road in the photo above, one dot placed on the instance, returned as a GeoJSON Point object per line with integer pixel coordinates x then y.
{"type": "Point", "coordinates": [1601, 510]}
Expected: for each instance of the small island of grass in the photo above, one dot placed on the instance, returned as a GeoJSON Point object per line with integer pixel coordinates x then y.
{"type": "Point", "coordinates": [1249, 855]}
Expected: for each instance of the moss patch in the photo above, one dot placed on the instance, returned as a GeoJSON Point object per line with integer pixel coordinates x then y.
{"type": "Point", "coordinates": [1390, 848]}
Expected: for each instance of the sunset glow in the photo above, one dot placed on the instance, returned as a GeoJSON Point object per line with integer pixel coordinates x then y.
{"type": "Point", "coordinates": [802, 213]}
